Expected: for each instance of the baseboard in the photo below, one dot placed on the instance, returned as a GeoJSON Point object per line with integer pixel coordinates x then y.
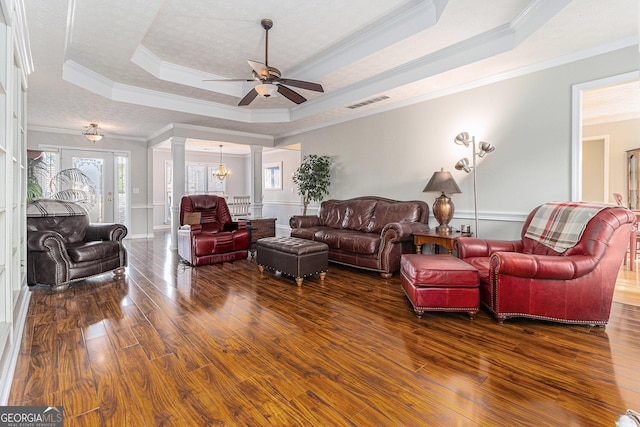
{"type": "Point", "coordinates": [140, 236]}
{"type": "Point", "coordinates": [10, 357]}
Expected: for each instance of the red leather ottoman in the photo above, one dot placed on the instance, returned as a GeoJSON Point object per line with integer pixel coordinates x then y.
{"type": "Point", "coordinates": [440, 283]}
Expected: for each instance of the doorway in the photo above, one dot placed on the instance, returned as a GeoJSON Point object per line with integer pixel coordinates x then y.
{"type": "Point", "coordinates": [576, 127]}
{"type": "Point", "coordinates": [595, 169]}
{"type": "Point", "coordinates": [109, 172]}
{"type": "Point", "coordinates": [627, 288]}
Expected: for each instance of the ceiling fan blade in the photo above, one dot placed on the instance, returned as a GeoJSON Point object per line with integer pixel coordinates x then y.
{"type": "Point", "coordinates": [260, 69]}
{"type": "Point", "coordinates": [248, 98]}
{"type": "Point", "coordinates": [301, 84]}
{"type": "Point", "coordinates": [291, 95]}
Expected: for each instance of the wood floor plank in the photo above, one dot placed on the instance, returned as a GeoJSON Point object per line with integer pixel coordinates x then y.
{"type": "Point", "coordinates": [223, 345]}
{"type": "Point", "coordinates": [116, 400]}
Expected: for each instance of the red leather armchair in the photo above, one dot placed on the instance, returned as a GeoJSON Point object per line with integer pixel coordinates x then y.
{"type": "Point", "coordinates": [524, 278]}
{"type": "Point", "coordinates": [207, 235]}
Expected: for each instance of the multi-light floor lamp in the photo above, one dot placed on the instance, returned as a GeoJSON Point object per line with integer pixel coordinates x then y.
{"type": "Point", "coordinates": [463, 164]}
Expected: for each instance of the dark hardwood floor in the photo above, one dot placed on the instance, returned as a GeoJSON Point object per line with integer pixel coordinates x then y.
{"type": "Point", "coordinates": [221, 345]}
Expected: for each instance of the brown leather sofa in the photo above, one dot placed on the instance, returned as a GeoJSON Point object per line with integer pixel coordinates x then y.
{"type": "Point", "coordinates": [207, 234]}
{"type": "Point", "coordinates": [63, 247]}
{"type": "Point", "coordinates": [525, 278]}
{"type": "Point", "coordinates": [365, 232]}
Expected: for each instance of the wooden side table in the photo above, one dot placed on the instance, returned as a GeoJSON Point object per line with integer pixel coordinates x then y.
{"type": "Point", "coordinates": [259, 228]}
{"type": "Point", "coordinates": [441, 239]}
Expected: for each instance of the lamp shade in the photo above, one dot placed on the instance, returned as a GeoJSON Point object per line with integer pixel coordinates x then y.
{"type": "Point", "coordinates": [266, 89]}
{"type": "Point", "coordinates": [442, 181]}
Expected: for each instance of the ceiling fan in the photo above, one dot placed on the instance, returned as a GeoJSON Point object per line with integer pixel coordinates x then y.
{"type": "Point", "coordinates": [270, 78]}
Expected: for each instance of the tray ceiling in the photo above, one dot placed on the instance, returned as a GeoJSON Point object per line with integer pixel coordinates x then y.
{"type": "Point", "coordinates": [137, 67]}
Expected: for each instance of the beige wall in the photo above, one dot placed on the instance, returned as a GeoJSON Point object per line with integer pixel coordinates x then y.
{"type": "Point", "coordinates": [593, 170]}
{"type": "Point", "coordinates": [282, 204]}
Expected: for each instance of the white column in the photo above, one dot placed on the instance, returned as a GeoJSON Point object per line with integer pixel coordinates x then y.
{"type": "Point", "coordinates": [256, 181]}
{"type": "Point", "coordinates": [178, 173]}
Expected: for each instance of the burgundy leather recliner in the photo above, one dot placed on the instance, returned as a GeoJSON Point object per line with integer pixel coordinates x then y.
{"type": "Point", "coordinates": [524, 278]}
{"type": "Point", "coordinates": [214, 238]}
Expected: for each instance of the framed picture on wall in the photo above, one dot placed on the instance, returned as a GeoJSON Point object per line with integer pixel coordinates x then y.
{"type": "Point", "coordinates": [273, 176]}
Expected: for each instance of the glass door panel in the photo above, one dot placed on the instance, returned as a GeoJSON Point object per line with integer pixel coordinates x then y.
{"type": "Point", "coordinates": [99, 167]}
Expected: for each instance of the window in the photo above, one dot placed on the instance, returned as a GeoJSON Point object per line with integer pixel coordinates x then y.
{"type": "Point", "coordinates": [273, 176]}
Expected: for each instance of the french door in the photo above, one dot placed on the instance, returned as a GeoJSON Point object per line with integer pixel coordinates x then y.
{"type": "Point", "coordinates": [99, 166]}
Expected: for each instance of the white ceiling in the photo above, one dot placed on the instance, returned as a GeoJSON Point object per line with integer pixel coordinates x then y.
{"type": "Point", "coordinates": [136, 67]}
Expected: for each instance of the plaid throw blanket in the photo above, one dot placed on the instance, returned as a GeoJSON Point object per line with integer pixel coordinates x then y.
{"type": "Point", "coordinates": [559, 226]}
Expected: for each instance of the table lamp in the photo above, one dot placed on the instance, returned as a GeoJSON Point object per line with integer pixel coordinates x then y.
{"type": "Point", "coordinates": [443, 207]}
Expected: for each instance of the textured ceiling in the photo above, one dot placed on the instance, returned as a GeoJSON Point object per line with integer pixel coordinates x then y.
{"type": "Point", "coordinates": [137, 67]}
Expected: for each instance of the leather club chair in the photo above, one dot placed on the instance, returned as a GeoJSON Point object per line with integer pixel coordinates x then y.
{"type": "Point", "coordinates": [524, 278]}
{"type": "Point", "coordinates": [64, 247]}
{"type": "Point", "coordinates": [207, 235]}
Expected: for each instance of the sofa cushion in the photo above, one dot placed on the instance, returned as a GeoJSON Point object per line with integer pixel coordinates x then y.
{"type": "Point", "coordinates": [330, 236]}
{"type": "Point", "coordinates": [358, 214]}
{"type": "Point", "coordinates": [305, 233]}
{"type": "Point", "coordinates": [91, 251]}
{"type": "Point", "coordinates": [386, 213]}
{"type": "Point", "coordinates": [332, 213]}
{"type": "Point", "coordinates": [360, 243]}
{"type": "Point", "coordinates": [72, 228]}
{"type": "Point", "coordinates": [482, 264]}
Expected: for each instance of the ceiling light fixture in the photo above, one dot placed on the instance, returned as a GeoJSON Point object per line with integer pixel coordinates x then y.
{"type": "Point", "coordinates": [266, 90]}
{"type": "Point", "coordinates": [92, 133]}
{"type": "Point", "coordinates": [221, 173]}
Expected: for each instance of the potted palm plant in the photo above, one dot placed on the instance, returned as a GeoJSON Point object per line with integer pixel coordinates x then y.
{"type": "Point", "coordinates": [313, 179]}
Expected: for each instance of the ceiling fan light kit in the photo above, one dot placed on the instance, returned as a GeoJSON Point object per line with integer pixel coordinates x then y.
{"type": "Point", "coordinates": [266, 89]}
{"type": "Point", "coordinates": [270, 79]}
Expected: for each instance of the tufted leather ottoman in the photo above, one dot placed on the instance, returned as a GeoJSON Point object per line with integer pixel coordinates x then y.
{"type": "Point", "coordinates": [440, 283]}
{"type": "Point", "coordinates": [292, 256]}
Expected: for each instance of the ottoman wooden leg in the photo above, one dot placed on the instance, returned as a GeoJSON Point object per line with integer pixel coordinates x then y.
{"type": "Point", "coordinates": [261, 268]}
{"type": "Point", "coordinates": [299, 281]}
{"type": "Point", "coordinates": [322, 276]}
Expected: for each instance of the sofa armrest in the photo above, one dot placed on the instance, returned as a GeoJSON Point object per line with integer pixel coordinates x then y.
{"type": "Point", "coordinates": [191, 228]}
{"type": "Point", "coordinates": [44, 241]}
{"type": "Point", "coordinates": [542, 266]}
{"type": "Point", "coordinates": [115, 232]}
{"type": "Point", "coordinates": [402, 231]}
{"type": "Point", "coordinates": [470, 247]}
{"type": "Point", "coordinates": [303, 221]}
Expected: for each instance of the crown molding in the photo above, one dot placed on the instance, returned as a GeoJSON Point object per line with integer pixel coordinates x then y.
{"type": "Point", "coordinates": [75, 132]}
{"type": "Point", "coordinates": [170, 72]}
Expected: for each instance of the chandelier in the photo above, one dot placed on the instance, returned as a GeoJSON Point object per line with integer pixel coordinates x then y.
{"type": "Point", "coordinates": [92, 133]}
{"type": "Point", "coordinates": [221, 173]}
